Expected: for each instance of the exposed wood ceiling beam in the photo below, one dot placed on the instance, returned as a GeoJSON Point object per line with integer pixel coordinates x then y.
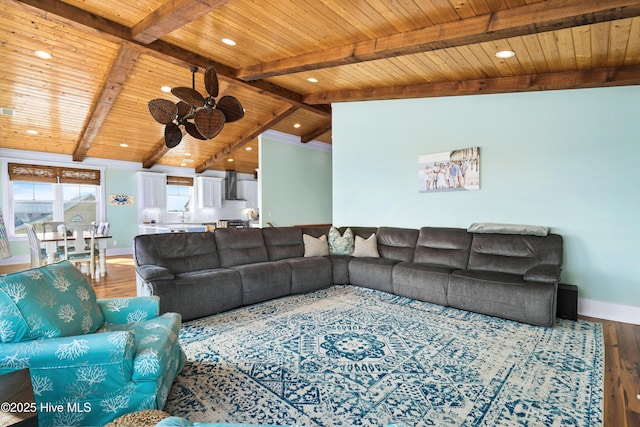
{"type": "Point", "coordinates": [159, 151]}
{"type": "Point", "coordinates": [170, 16]}
{"type": "Point", "coordinates": [260, 128]}
{"type": "Point", "coordinates": [603, 77]}
{"type": "Point", "coordinates": [122, 65]}
{"type": "Point", "coordinates": [520, 21]}
{"type": "Point", "coordinates": [310, 136]}
{"type": "Point", "coordinates": [78, 18]}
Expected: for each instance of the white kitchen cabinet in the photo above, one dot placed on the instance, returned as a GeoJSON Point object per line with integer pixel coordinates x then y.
{"type": "Point", "coordinates": [248, 190]}
{"type": "Point", "coordinates": [209, 192]}
{"type": "Point", "coordinates": [152, 190]}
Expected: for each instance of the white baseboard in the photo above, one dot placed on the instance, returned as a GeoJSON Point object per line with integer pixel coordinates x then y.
{"type": "Point", "coordinates": [609, 311]}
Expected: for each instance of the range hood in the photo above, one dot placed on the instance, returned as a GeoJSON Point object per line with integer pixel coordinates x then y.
{"type": "Point", "coordinates": [231, 186]}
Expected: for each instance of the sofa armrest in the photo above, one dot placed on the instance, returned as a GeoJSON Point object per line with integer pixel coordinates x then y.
{"type": "Point", "coordinates": [150, 272]}
{"type": "Point", "coordinates": [128, 310]}
{"type": "Point", "coordinates": [543, 273]}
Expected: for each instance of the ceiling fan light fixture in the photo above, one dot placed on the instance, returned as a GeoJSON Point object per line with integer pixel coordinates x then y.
{"type": "Point", "coordinates": [201, 117]}
{"type": "Point", "coordinates": [504, 54]}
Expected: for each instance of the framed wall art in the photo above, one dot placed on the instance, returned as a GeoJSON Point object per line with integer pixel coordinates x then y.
{"type": "Point", "coordinates": [457, 170]}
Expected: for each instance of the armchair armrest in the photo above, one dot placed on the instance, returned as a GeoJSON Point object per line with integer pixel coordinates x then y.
{"type": "Point", "coordinates": [56, 363]}
{"type": "Point", "coordinates": [543, 273]}
{"type": "Point", "coordinates": [128, 310]}
{"type": "Point", "coordinates": [150, 272]}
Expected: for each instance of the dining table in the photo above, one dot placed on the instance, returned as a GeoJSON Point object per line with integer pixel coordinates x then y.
{"type": "Point", "coordinates": [51, 239]}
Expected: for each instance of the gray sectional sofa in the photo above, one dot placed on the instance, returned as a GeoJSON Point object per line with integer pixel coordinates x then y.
{"type": "Point", "coordinates": [513, 276]}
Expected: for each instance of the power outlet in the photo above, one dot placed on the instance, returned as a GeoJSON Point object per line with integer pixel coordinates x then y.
{"type": "Point", "coordinates": [114, 242]}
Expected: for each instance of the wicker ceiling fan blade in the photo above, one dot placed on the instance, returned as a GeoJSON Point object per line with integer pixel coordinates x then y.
{"type": "Point", "coordinates": [209, 122]}
{"type": "Point", "coordinates": [188, 95]}
{"type": "Point", "coordinates": [193, 131]}
{"type": "Point", "coordinates": [162, 110]}
{"type": "Point", "coordinates": [172, 135]}
{"type": "Point", "coordinates": [211, 81]}
{"type": "Point", "coordinates": [184, 109]}
{"type": "Point", "coordinates": [231, 108]}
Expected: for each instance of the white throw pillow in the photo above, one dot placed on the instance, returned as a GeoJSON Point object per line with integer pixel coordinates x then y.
{"type": "Point", "coordinates": [366, 248]}
{"type": "Point", "coordinates": [315, 246]}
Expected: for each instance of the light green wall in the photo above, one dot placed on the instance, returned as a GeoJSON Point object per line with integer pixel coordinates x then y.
{"type": "Point", "coordinates": [295, 181]}
{"type": "Point", "coordinates": [123, 220]}
{"type": "Point", "coordinates": [564, 159]}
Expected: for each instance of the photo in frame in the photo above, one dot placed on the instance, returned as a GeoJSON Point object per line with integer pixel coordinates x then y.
{"type": "Point", "coordinates": [456, 170]}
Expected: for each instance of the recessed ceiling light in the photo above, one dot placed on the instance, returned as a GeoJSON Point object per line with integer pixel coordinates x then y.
{"type": "Point", "coordinates": [32, 132]}
{"type": "Point", "coordinates": [165, 89]}
{"type": "Point", "coordinates": [124, 145]}
{"type": "Point", "coordinates": [229, 42]}
{"type": "Point", "coordinates": [187, 154]}
{"type": "Point", "coordinates": [230, 160]}
{"type": "Point", "coordinates": [505, 54]}
{"type": "Point", "coordinates": [42, 54]}
{"type": "Point", "coordinates": [248, 148]}
{"type": "Point", "coordinates": [297, 125]}
{"type": "Point", "coordinates": [312, 80]}
{"type": "Point", "coordinates": [188, 160]}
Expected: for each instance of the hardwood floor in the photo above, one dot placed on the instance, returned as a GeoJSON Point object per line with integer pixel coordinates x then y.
{"type": "Point", "coordinates": [621, 340]}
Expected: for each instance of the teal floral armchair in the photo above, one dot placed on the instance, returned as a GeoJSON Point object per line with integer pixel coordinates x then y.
{"type": "Point", "coordinates": [90, 360]}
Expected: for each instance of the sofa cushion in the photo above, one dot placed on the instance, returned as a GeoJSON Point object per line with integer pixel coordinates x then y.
{"type": "Point", "coordinates": [283, 242]}
{"type": "Point", "coordinates": [315, 246]}
{"type": "Point", "coordinates": [310, 274]}
{"type": "Point", "coordinates": [374, 273]}
{"type": "Point", "coordinates": [423, 282]}
{"type": "Point", "coordinates": [177, 252]}
{"type": "Point", "coordinates": [512, 253]}
{"type": "Point", "coordinates": [341, 244]}
{"type": "Point", "coordinates": [504, 295]}
{"type": "Point", "coordinates": [366, 247]}
{"type": "Point", "coordinates": [47, 302]}
{"type": "Point", "coordinates": [447, 247]}
{"type": "Point", "coordinates": [264, 281]}
{"type": "Point", "coordinates": [397, 243]}
{"type": "Point", "coordinates": [199, 293]}
{"type": "Point", "coordinates": [490, 227]}
{"type": "Point", "coordinates": [238, 246]}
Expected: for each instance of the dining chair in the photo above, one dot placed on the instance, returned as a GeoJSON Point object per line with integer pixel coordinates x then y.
{"type": "Point", "coordinates": [81, 247]}
{"type": "Point", "coordinates": [37, 253]}
{"type": "Point", "coordinates": [54, 226]}
{"type": "Point", "coordinates": [103, 229]}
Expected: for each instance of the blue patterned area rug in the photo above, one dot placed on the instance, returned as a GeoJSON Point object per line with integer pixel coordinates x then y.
{"type": "Point", "coordinates": [350, 356]}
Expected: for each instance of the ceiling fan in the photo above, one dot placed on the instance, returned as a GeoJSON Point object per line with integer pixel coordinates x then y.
{"type": "Point", "coordinates": [202, 117]}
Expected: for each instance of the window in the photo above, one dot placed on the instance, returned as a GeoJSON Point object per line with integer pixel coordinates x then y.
{"type": "Point", "coordinates": [179, 194]}
{"type": "Point", "coordinates": [32, 204]}
{"type": "Point", "coordinates": [46, 193]}
{"type": "Point", "coordinates": [79, 203]}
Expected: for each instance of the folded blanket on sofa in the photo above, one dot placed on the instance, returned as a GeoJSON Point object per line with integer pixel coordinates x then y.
{"type": "Point", "coordinates": [490, 227]}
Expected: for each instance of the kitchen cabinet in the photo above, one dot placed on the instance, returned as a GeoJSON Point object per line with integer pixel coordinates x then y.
{"type": "Point", "coordinates": [152, 190]}
{"type": "Point", "coordinates": [248, 190]}
{"type": "Point", "coordinates": [209, 191]}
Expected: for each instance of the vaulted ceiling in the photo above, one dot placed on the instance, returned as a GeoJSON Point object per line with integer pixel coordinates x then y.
{"type": "Point", "coordinates": [110, 57]}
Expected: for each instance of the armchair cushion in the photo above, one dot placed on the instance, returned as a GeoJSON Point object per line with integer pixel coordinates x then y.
{"type": "Point", "coordinates": [47, 302]}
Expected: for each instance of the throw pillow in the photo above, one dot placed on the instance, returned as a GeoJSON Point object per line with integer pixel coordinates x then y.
{"type": "Point", "coordinates": [315, 246]}
{"type": "Point", "coordinates": [341, 245]}
{"type": "Point", "coordinates": [51, 301]}
{"type": "Point", "coordinates": [366, 247]}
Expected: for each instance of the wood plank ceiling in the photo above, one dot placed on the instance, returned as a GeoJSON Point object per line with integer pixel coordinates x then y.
{"type": "Point", "coordinates": [110, 57]}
